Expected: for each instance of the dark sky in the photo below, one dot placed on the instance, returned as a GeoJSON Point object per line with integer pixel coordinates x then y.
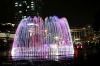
{"type": "Point", "coordinates": [78, 12]}
{"type": "Point", "coordinates": [6, 10]}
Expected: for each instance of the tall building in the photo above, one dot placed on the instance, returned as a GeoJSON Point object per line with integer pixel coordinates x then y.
{"type": "Point", "coordinates": [24, 8]}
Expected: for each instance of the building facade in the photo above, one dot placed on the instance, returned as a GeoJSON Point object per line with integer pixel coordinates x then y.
{"type": "Point", "coordinates": [82, 34]}
{"type": "Point", "coordinates": [24, 8]}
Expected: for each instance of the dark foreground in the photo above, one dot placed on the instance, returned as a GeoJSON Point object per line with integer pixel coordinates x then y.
{"type": "Point", "coordinates": [83, 57]}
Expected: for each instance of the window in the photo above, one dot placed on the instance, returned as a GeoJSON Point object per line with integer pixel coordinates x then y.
{"type": "Point", "coordinates": [32, 2]}
{"type": "Point", "coordinates": [20, 4]}
{"type": "Point", "coordinates": [16, 3]}
{"type": "Point", "coordinates": [20, 11]}
{"type": "Point", "coordinates": [28, 6]}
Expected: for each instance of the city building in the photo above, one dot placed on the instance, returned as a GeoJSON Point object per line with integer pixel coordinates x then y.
{"type": "Point", "coordinates": [24, 8]}
{"type": "Point", "coordinates": [82, 34]}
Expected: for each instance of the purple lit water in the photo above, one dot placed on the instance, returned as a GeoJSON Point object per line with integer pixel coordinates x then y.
{"type": "Point", "coordinates": [37, 39]}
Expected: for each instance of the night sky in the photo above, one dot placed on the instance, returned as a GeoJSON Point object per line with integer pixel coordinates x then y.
{"type": "Point", "coordinates": [6, 11]}
{"type": "Point", "coordinates": [78, 12]}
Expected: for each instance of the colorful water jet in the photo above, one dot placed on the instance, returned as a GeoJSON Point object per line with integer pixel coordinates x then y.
{"type": "Point", "coordinates": [37, 39]}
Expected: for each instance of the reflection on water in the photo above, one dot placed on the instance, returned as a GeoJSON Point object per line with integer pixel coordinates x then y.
{"type": "Point", "coordinates": [83, 56]}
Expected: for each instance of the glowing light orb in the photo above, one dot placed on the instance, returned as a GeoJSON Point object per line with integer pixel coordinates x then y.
{"type": "Point", "coordinates": [38, 39]}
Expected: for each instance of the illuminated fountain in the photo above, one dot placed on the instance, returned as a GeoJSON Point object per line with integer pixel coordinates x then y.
{"type": "Point", "coordinates": [37, 39]}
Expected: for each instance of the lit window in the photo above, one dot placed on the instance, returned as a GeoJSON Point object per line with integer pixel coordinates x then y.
{"type": "Point", "coordinates": [26, 10]}
{"type": "Point", "coordinates": [28, 6]}
{"type": "Point", "coordinates": [32, 6]}
{"type": "Point", "coordinates": [16, 3]}
{"type": "Point", "coordinates": [8, 23]}
{"type": "Point", "coordinates": [24, 1]}
{"type": "Point", "coordinates": [20, 4]}
{"type": "Point", "coordinates": [32, 2]}
{"type": "Point", "coordinates": [3, 24]}
{"type": "Point", "coordinates": [20, 11]}
{"type": "Point", "coordinates": [23, 17]}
